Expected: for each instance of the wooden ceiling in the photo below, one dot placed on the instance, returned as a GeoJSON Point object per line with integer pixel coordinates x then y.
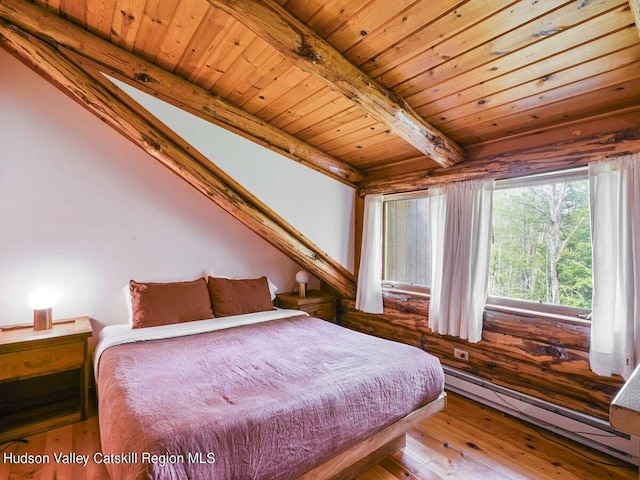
{"type": "Point", "coordinates": [478, 71]}
{"type": "Point", "coordinates": [383, 96]}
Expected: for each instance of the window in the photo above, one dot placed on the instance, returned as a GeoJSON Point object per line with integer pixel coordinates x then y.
{"type": "Point", "coordinates": [541, 246]}
{"type": "Point", "coordinates": [407, 255]}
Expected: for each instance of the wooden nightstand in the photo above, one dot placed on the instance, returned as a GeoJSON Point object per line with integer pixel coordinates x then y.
{"type": "Point", "coordinates": [44, 377]}
{"type": "Point", "coordinates": [316, 303]}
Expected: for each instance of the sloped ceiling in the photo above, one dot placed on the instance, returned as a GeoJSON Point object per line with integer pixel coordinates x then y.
{"type": "Point", "coordinates": [370, 92]}
{"type": "Point", "coordinates": [458, 74]}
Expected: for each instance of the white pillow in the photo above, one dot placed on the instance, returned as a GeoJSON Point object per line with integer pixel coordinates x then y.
{"type": "Point", "coordinates": [127, 299]}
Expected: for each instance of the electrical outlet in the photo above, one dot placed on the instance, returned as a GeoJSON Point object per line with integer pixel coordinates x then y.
{"type": "Point", "coordinates": [461, 354]}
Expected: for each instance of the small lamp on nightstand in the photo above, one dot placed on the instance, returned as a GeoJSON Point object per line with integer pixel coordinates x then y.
{"type": "Point", "coordinates": [302, 278]}
{"type": "Point", "coordinates": [42, 301]}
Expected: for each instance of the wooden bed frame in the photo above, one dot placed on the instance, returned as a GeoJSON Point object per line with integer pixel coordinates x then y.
{"type": "Point", "coordinates": [369, 452]}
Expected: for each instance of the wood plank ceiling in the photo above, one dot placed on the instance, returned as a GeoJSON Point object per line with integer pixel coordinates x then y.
{"type": "Point", "coordinates": [477, 71]}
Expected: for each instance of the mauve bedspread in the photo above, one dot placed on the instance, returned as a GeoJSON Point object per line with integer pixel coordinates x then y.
{"type": "Point", "coordinates": [266, 401]}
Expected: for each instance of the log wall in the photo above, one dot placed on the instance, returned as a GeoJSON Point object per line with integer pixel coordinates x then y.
{"type": "Point", "coordinates": [541, 357]}
{"type": "Point", "coordinates": [536, 355]}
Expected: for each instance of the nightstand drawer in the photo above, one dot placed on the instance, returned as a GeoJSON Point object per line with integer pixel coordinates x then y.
{"type": "Point", "coordinates": [44, 377]}
{"type": "Point", "coordinates": [39, 361]}
{"type": "Point", "coordinates": [326, 311]}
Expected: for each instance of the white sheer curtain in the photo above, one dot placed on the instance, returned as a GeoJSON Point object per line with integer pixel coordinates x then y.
{"type": "Point", "coordinates": [369, 292]}
{"type": "Point", "coordinates": [460, 245]}
{"type": "Point", "coordinates": [614, 192]}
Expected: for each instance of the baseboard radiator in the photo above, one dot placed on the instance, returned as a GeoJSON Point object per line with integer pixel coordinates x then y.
{"type": "Point", "coordinates": [580, 427]}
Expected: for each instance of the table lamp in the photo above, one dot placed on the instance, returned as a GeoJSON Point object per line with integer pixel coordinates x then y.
{"type": "Point", "coordinates": [302, 278]}
{"type": "Point", "coordinates": [42, 301]}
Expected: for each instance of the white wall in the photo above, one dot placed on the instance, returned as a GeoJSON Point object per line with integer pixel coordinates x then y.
{"type": "Point", "coordinates": [84, 210]}
{"type": "Point", "coordinates": [321, 208]}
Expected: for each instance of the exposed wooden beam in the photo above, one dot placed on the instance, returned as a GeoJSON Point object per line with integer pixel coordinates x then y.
{"type": "Point", "coordinates": [173, 89]}
{"type": "Point", "coordinates": [635, 8]}
{"type": "Point", "coordinates": [314, 55]}
{"type": "Point", "coordinates": [542, 159]}
{"type": "Point", "coordinates": [230, 196]}
{"type": "Point", "coordinates": [607, 122]}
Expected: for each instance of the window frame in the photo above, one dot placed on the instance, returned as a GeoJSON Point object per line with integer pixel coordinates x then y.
{"type": "Point", "coordinates": [500, 304]}
{"type": "Point", "coordinates": [538, 309]}
{"type": "Point", "coordinates": [526, 307]}
{"type": "Point", "coordinates": [388, 285]}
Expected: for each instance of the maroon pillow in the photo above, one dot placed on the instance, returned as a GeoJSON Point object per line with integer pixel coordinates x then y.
{"type": "Point", "coordinates": [235, 297]}
{"type": "Point", "coordinates": [156, 304]}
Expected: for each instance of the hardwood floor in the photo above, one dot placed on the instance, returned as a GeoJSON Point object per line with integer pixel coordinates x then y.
{"type": "Point", "coordinates": [471, 441]}
{"type": "Point", "coordinates": [466, 441]}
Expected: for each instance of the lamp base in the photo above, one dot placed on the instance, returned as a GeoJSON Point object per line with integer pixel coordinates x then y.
{"type": "Point", "coordinates": [42, 319]}
{"type": "Point", "coordinates": [302, 289]}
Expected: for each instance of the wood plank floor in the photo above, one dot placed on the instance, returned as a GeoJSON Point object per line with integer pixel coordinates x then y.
{"type": "Point", "coordinates": [466, 441]}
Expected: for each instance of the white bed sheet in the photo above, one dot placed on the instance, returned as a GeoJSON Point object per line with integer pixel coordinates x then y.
{"type": "Point", "coordinates": [113, 335]}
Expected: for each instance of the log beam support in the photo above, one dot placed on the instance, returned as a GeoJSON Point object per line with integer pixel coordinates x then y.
{"type": "Point", "coordinates": [311, 53]}
{"type": "Point", "coordinates": [74, 82]}
{"type": "Point", "coordinates": [169, 87]}
{"type": "Point", "coordinates": [542, 159]}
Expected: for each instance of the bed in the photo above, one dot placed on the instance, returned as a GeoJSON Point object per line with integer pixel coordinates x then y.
{"type": "Point", "coordinates": [267, 395]}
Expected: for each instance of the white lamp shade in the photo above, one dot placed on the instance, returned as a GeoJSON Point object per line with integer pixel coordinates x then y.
{"type": "Point", "coordinates": [42, 299]}
{"type": "Point", "coordinates": [302, 277]}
